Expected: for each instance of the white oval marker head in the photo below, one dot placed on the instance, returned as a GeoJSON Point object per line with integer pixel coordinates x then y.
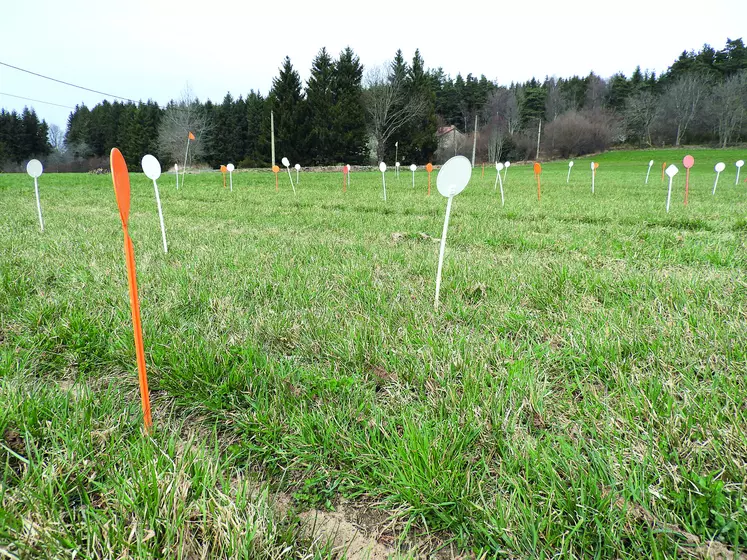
{"type": "Point", "coordinates": [740, 163]}
{"type": "Point", "coordinates": [650, 163]}
{"type": "Point", "coordinates": [720, 166]}
{"type": "Point", "coordinates": [298, 167]}
{"type": "Point", "coordinates": [396, 164]}
{"type": "Point", "coordinates": [499, 166]}
{"type": "Point", "coordinates": [453, 176]}
{"type": "Point", "coordinates": [508, 164]}
{"type": "Point", "coordinates": [285, 162]}
{"type": "Point", "coordinates": [230, 167]}
{"type": "Point", "coordinates": [672, 171]}
{"type": "Point", "coordinates": [151, 167]}
{"type": "Point", "coordinates": [348, 166]}
{"type": "Point", "coordinates": [570, 164]}
{"type": "Point", "coordinates": [34, 168]}
{"type": "Point", "coordinates": [413, 167]}
{"type": "Point", "coordinates": [382, 167]}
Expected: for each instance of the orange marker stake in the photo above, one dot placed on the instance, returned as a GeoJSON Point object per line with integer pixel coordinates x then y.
{"type": "Point", "coordinates": [224, 170]}
{"type": "Point", "coordinates": [483, 171]}
{"type": "Point", "coordinates": [663, 167]}
{"type": "Point", "coordinates": [121, 181]}
{"type": "Point", "coordinates": [429, 169]}
{"type": "Point", "coordinates": [688, 162]}
{"type": "Point", "coordinates": [537, 173]}
{"type": "Point", "coordinates": [276, 170]}
{"type": "Point", "coordinates": [344, 178]}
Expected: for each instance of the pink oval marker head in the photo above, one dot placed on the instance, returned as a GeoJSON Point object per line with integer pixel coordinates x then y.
{"type": "Point", "coordinates": [345, 169]}
{"type": "Point", "coordinates": [688, 162]}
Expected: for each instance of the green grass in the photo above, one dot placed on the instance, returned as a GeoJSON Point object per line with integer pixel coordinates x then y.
{"type": "Point", "coordinates": [580, 393]}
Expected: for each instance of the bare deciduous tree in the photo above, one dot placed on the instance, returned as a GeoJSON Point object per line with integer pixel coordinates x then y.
{"type": "Point", "coordinates": [388, 106]}
{"type": "Point", "coordinates": [179, 119]}
{"type": "Point", "coordinates": [730, 104]}
{"type": "Point", "coordinates": [640, 114]}
{"type": "Point", "coordinates": [682, 101]}
{"type": "Point", "coordinates": [57, 138]}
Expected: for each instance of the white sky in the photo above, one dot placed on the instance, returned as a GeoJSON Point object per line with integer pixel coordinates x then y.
{"type": "Point", "coordinates": [151, 48]}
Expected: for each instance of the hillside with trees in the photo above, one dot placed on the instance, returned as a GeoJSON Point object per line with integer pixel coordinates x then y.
{"type": "Point", "coordinates": [347, 114]}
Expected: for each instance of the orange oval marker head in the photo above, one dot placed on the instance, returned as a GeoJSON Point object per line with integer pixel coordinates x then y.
{"type": "Point", "coordinates": [596, 166]}
{"type": "Point", "coordinates": [429, 169]}
{"type": "Point", "coordinates": [224, 170]}
{"type": "Point", "coordinates": [121, 179]}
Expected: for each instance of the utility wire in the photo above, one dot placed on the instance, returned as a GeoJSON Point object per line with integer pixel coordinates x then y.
{"type": "Point", "coordinates": [66, 83]}
{"type": "Point", "coordinates": [36, 100]}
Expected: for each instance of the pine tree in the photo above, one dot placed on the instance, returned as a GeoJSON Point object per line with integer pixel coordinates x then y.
{"type": "Point", "coordinates": [348, 116]}
{"type": "Point", "coordinates": [289, 106]}
{"type": "Point", "coordinates": [423, 142]}
{"type": "Point", "coordinates": [320, 99]}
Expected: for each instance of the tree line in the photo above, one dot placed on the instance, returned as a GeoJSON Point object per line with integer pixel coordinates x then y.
{"type": "Point", "coordinates": [343, 115]}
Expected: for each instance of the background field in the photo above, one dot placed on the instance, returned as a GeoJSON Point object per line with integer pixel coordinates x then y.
{"type": "Point", "coordinates": [580, 393]}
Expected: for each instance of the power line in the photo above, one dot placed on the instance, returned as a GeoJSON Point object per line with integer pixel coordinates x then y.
{"type": "Point", "coordinates": [66, 83]}
{"type": "Point", "coordinates": [36, 100]}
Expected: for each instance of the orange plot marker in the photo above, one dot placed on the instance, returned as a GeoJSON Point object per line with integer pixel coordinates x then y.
{"type": "Point", "coordinates": [663, 167]}
{"type": "Point", "coordinates": [483, 171]}
{"type": "Point", "coordinates": [276, 170]}
{"type": "Point", "coordinates": [344, 178]}
{"type": "Point", "coordinates": [224, 170]}
{"type": "Point", "coordinates": [429, 169]}
{"type": "Point", "coordinates": [121, 181]}
{"type": "Point", "coordinates": [537, 173]}
{"type": "Point", "coordinates": [688, 162]}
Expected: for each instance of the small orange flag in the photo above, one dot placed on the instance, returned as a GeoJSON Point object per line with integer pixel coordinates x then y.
{"type": "Point", "coordinates": [121, 180]}
{"type": "Point", "coordinates": [537, 173]}
{"type": "Point", "coordinates": [429, 169]}
{"type": "Point", "coordinates": [276, 170]}
{"type": "Point", "coordinates": [191, 136]}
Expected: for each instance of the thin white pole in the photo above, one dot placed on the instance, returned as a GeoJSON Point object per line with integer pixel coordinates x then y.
{"type": "Point", "coordinates": [176, 168]}
{"type": "Point", "coordinates": [184, 173]}
{"type": "Point", "coordinates": [230, 179]}
{"type": "Point", "coordinates": [291, 179]}
{"type": "Point", "coordinates": [474, 144]}
{"type": "Point", "coordinates": [737, 181]}
{"type": "Point", "coordinates": [383, 179]}
{"type": "Point", "coordinates": [593, 175]}
{"type": "Point", "coordinates": [160, 217]}
{"type": "Point", "coordinates": [569, 175]}
{"type": "Point", "coordinates": [413, 179]}
{"type": "Point", "coordinates": [497, 180]}
{"type": "Point", "coordinates": [648, 173]}
{"type": "Point", "coordinates": [441, 252]}
{"type": "Point", "coordinates": [296, 176]}
{"type": "Point", "coordinates": [505, 172]}
{"type": "Point", "coordinates": [38, 203]}
{"type": "Point", "coordinates": [715, 182]}
{"type": "Point", "coordinates": [669, 193]}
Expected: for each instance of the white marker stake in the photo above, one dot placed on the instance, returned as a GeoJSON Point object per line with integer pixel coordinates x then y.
{"type": "Point", "coordinates": [34, 169]}
{"type": "Point", "coordinates": [593, 175]}
{"type": "Point", "coordinates": [396, 170]}
{"type": "Point", "coordinates": [298, 168]}
{"type": "Point", "coordinates": [413, 167]}
{"type": "Point", "coordinates": [382, 168]}
{"type": "Point", "coordinates": [498, 168]}
{"type": "Point", "coordinates": [230, 168]}
{"type": "Point", "coordinates": [348, 166]}
{"type": "Point", "coordinates": [739, 165]}
{"type": "Point", "coordinates": [671, 172]}
{"type": "Point", "coordinates": [286, 163]}
{"type": "Point", "coordinates": [152, 170]}
{"type": "Point", "coordinates": [570, 166]}
{"type": "Point", "coordinates": [451, 180]}
{"type": "Point", "coordinates": [506, 166]}
{"type": "Point", "coordinates": [650, 163]}
{"type": "Point", "coordinates": [176, 171]}
{"type": "Point", "coordinates": [720, 166]}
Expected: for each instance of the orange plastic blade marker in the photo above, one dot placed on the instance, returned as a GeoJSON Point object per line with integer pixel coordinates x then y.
{"type": "Point", "coordinates": [122, 192]}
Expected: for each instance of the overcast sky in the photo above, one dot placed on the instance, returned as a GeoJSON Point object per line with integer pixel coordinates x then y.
{"type": "Point", "coordinates": [144, 49]}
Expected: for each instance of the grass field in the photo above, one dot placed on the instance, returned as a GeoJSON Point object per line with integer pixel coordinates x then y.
{"type": "Point", "coordinates": [580, 393]}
